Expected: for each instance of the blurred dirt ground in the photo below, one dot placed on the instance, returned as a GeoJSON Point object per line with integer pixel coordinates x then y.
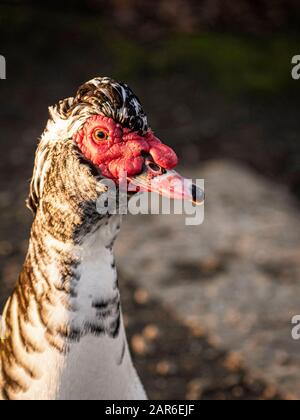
{"type": "Point", "coordinates": [180, 360]}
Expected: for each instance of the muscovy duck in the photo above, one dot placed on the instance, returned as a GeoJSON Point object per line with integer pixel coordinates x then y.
{"type": "Point", "coordinates": [64, 332]}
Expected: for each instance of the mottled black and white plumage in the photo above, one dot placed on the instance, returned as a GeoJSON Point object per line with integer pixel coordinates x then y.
{"type": "Point", "coordinates": [99, 96]}
{"type": "Point", "coordinates": [65, 336]}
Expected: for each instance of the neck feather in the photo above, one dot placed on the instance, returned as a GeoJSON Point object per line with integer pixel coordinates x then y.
{"type": "Point", "coordinates": [64, 327]}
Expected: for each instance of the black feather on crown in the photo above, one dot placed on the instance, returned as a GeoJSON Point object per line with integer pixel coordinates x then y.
{"type": "Point", "coordinates": [106, 97]}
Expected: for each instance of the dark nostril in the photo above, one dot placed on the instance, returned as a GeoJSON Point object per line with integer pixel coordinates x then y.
{"type": "Point", "coordinates": [197, 194]}
{"type": "Point", "coordinates": [154, 167]}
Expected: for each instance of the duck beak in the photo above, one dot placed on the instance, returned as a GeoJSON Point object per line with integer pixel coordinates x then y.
{"type": "Point", "coordinates": [167, 183]}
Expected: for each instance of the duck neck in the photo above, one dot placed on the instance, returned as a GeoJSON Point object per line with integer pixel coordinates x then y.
{"type": "Point", "coordinates": [65, 337]}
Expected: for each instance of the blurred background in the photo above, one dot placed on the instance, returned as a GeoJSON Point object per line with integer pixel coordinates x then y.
{"type": "Point", "coordinates": [208, 309]}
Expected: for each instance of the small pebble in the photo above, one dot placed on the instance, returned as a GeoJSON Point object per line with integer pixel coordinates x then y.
{"type": "Point", "coordinates": [139, 345]}
{"type": "Point", "coordinates": [195, 390]}
{"type": "Point", "coordinates": [164, 368]}
{"type": "Point", "coordinates": [233, 362]}
{"type": "Point", "coordinates": [270, 392]}
{"type": "Point", "coordinates": [151, 332]}
{"type": "Point", "coordinates": [141, 296]}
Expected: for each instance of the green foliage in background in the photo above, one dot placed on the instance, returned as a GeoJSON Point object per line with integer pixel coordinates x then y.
{"type": "Point", "coordinates": [234, 64]}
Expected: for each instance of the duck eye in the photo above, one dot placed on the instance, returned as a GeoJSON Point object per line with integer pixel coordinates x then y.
{"type": "Point", "coordinates": [100, 135]}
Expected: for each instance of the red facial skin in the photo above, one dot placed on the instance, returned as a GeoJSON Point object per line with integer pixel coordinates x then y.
{"type": "Point", "coordinates": [121, 150]}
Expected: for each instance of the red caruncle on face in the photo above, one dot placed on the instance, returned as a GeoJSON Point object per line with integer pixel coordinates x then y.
{"type": "Point", "coordinates": [117, 150]}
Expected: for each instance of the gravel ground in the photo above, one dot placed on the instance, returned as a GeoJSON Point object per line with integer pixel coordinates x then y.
{"type": "Point", "coordinates": [178, 361]}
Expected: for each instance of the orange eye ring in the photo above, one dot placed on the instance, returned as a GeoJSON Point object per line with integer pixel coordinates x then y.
{"type": "Point", "coordinates": [100, 135]}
